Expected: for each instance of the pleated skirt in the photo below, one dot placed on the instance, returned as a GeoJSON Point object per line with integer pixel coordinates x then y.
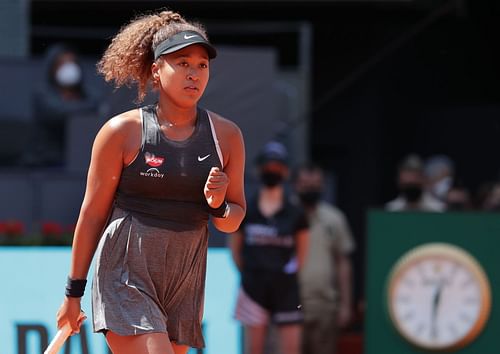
{"type": "Point", "coordinates": [149, 279]}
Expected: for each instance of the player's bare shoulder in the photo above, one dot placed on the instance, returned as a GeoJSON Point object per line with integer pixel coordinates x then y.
{"type": "Point", "coordinates": [126, 125]}
{"type": "Point", "coordinates": [126, 122]}
{"type": "Point", "coordinates": [224, 127]}
{"type": "Point", "coordinates": [122, 131]}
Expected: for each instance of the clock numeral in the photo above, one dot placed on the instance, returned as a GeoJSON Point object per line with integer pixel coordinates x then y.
{"type": "Point", "coordinates": [408, 316]}
{"type": "Point", "coordinates": [465, 317]}
{"type": "Point", "coordinates": [404, 299]}
{"type": "Point", "coordinates": [434, 332]}
{"type": "Point", "coordinates": [437, 267]}
{"type": "Point", "coordinates": [453, 330]}
{"type": "Point", "coordinates": [468, 282]}
{"type": "Point", "coordinates": [453, 271]}
{"type": "Point", "coordinates": [422, 273]}
{"type": "Point", "coordinates": [408, 283]}
{"type": "Point", "coordinates": [471, 300]}
{"type": "Point", "coordinates": [420, 329]}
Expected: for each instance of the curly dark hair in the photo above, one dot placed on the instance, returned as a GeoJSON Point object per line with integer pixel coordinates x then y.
{"type": "Point", "coordinates": [128, 58]}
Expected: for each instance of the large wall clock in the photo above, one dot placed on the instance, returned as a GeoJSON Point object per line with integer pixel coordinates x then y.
{"type": "Point", "coordinates": [438, 297]}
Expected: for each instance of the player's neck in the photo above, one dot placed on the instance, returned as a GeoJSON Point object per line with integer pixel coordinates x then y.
{"type": "Point", "coordinates": [174, 117]}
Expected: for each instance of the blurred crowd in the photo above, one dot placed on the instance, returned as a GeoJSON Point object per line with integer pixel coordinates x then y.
{"type": "Point", "coordinates": [434, 185]}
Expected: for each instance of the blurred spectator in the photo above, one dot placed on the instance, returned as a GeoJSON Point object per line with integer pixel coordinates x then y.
{"type": "Point", "coordinates": [439, 172]}
{"type": "Point", "coordinates": [268, 250]}
{"type": "Point", "coordinates": [412, 195]}
{"type": "Point", "coordinates": [492, 198]}
{"type": "Point", "coordinates": [326, 278]}
{"type": "Point", "coordinates": [458, 197]}
{"type": "Point", "coordinates": [61, 95]}
{"type": "Point", "coordinates": [481, 194]}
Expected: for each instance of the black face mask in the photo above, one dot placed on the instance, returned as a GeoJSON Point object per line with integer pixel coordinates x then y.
{"type": "Point", "coordinates": [411, 192]}
{"type": "Point", "coordinates": [310, 197]}
{"type": "Point", "coordinates": [271, 179]}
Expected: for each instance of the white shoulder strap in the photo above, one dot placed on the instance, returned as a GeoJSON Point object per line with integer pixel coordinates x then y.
{"type": "Point", "coordinates": [216, 141]}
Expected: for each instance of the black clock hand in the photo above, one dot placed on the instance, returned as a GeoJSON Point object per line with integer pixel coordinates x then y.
{"type": "Point", "coordinates": [435, 304]}
{"type": "Point", "coordinates": [437, 295]}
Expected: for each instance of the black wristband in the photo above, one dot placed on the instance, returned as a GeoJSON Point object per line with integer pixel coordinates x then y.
{"type": "Point", "coordinates": [75, 287]}
{"type": "Point", "coordinates": [219, 212]}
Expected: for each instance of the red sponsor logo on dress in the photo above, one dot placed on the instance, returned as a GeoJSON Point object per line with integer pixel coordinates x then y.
{"type": "Point", "coordinates": [152, 160]}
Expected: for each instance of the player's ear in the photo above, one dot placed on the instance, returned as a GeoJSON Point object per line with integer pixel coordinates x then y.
{"type": "Point", "coordinates": [155, 71]}
{"type": "Point", "coordinates": [155, 74]}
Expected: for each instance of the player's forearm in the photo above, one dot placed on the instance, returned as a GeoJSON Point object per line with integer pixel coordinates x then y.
{"type": "Point", "coordinates": [87, 234]}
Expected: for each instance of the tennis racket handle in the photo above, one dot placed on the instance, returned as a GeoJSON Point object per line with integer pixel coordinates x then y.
{"type": "Point", "coordinates": [58, 340]}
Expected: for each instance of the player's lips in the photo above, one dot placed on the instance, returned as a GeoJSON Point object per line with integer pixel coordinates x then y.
{"type": "Point", "coordinates": [191, 88]}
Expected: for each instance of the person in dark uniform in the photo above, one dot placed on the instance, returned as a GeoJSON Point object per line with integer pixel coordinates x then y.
{"type": "Point", "coordinates": [269, 249]}
{"type": "Point", "coordinates": [157, 175]}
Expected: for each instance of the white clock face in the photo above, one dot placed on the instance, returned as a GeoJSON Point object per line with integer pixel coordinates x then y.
{"type": "Point", "coordinates": [437, 300]}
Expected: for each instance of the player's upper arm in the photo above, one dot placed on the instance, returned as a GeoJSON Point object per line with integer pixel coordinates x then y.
{"type": "Point", "coordinates": [114, 144]}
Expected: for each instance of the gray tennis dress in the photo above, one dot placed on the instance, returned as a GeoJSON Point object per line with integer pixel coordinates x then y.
{"type": "Point", "coordinates": [151, 260]}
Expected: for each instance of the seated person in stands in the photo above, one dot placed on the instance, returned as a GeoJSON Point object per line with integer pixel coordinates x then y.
{"type": "Point", "coordinates": [412, 195]}
{"type": "Point", "coordinates": [62, 94]}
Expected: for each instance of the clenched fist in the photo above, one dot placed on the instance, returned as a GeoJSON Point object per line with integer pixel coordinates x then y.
{"type": "Point", "coordinates": [216, 187]}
